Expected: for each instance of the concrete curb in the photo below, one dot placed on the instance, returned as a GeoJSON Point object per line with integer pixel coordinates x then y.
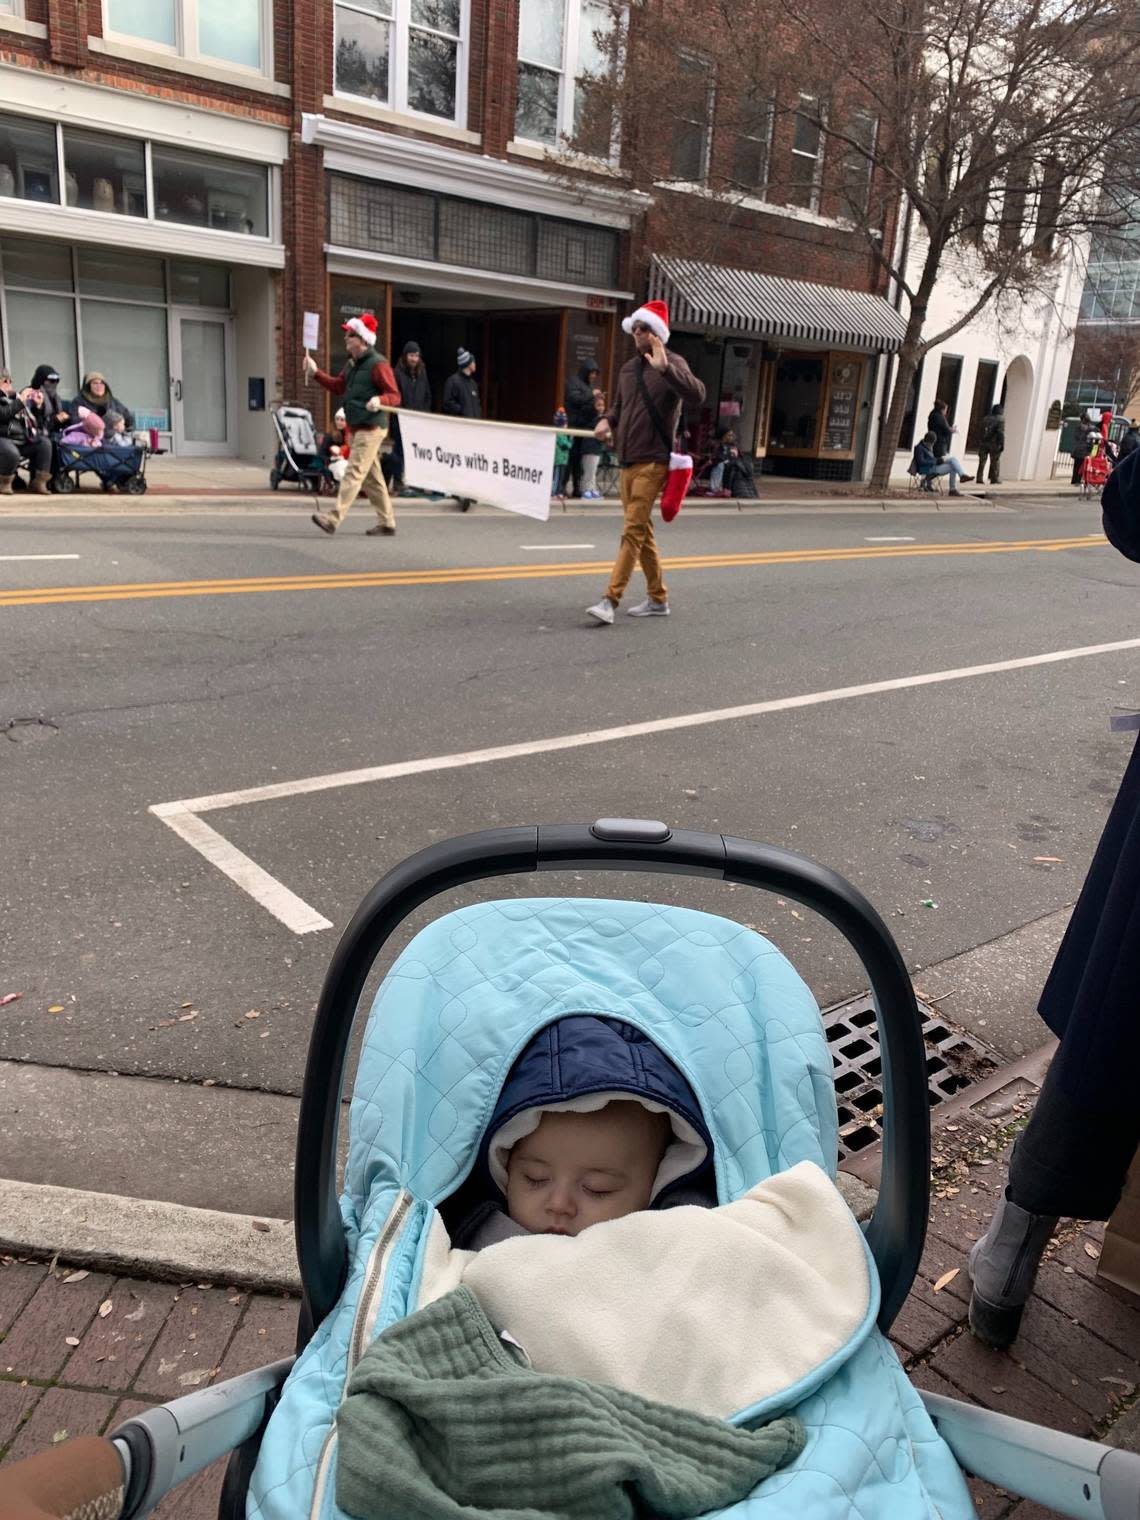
{"type": "Point", "coordinates": [138, 1237]}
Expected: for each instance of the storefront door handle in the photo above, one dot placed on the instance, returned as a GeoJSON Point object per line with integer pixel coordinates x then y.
{"type": "Point", "coordinates": [178, 390]}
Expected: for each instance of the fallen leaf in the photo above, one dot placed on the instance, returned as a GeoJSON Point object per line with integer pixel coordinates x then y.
{"type": "Point", "coordinates": [946, 1279]}
{"type": "Point", "coordinates": [235, 1300]}
{"type": "Point", "coordinates": [76, 1276]}
{"type": "Point", "coordinates": [60, 1435]}
{"type": "Point", "coordinates": [997, 1388]}
{"type": "Point", "coordinates": [1091, 1250]}
{"type": "Point", "coordinates": [1048, 860]}
{"type": "Point", "coordinates": [184, 1018]}
{"type": "Point", "coordinates": [260, 1224]}
{"type": "Point", "coordinates": [56, 1008]}
{"type": "Point", "coordinates": [105, 1308]}
{"type": "Point", "coordinates": [71, 1340]}
{"type": "Point", "coordinates": [1120, 1382]}
{"type": "Point", "coordinates": [10, 997]}
{"type": "Point", "coordinates": [187, 1005]}
{"type": "Point", "coordinates": [253, 1013]}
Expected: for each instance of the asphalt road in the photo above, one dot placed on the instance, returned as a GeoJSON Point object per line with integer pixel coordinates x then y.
{"type": "Point", "coordinates": [216, 653]}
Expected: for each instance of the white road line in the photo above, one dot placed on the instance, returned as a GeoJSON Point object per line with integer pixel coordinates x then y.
{"type": "Point", "coordinates": [245, 873]}
{"type": "Point", "coordinates": [890, 538]}
{"type": "Point", "coordinates": [556, 546]}
{"type": "Point", "coordinates": [7, 557]}
{"type": "Point", "coordinates": [182, 816]}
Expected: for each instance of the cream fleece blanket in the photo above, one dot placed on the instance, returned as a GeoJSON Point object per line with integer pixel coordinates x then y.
{"type": "Point", "coordinates": [711, 1310]}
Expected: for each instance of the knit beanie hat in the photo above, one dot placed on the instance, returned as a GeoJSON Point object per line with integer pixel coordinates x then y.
{"type": "Point", "coordinates": [466, 357]}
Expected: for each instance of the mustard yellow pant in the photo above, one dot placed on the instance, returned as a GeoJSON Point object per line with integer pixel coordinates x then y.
{"type": "Point", "coordinates": [640, 486]}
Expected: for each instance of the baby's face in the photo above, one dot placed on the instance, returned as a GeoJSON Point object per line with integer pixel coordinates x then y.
{"type": "Point", "coordinates": [576, 1170]}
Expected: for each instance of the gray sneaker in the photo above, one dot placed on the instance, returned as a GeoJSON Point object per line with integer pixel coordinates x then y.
{"type": "Point", "coordinates": [603, 610]}
{"type": "Point", "coordinates": [649, 608]}
{"type": "Point", "coordinates": [1002, 1267]}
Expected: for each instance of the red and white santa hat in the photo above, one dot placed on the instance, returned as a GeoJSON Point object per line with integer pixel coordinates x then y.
{"type": "Point", "coordinates": [655, 315]}
{"type": "Point", "coordinates": [364, 326]}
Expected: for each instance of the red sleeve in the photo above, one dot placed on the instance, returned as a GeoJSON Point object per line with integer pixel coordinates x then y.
{"type": "Point", "coordinates": [333, 383]}
{"type": "Point", "coordinates": [385, 382]}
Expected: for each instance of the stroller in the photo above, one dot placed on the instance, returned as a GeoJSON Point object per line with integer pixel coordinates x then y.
{"type": "Point", "coordinates": [298, 455]}
{"type": "Point", "coordinates": [469, 992]}
{"type": "Point", "coordinates": [116, 469]}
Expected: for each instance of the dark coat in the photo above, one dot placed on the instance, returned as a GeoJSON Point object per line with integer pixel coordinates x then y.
{"type": "Point", "coordinates": [938, 424]}
{"type": "Point", "coordinates": [581, 411]}
{"type": "Point", "coordinates": [1090, 998]}
{"type": "Point", "coordinates": [415, 389]}
{"type": "Point", "coordinates": [461, 396]}
{"type": "Point", "coordinates": [1129, 442]}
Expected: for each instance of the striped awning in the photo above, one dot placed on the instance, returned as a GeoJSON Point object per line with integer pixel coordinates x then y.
{"type": "Point", "coordinates": [714, 297]}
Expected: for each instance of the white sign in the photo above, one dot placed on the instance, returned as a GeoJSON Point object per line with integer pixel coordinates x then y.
{"type": "Point", "coordinates": [501, 464]}
{"type": "Point", "coordinates": [312, 327]}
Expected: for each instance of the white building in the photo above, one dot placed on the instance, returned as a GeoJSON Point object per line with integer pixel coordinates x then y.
{"type": "Point", "coordinates": [1014, 352]}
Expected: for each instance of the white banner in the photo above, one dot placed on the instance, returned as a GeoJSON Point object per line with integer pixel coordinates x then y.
{"type": "Point", "coordinates": [503, 464]}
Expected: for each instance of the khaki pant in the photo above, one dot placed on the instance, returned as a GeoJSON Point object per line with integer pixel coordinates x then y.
{"type": "Point", "coordinates": [640, 485]}
{"type": "Point", "coordinates": [364, 473]}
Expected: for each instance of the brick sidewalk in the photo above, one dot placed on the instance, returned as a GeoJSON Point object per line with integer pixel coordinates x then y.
{"type": "Point", "coordinates": [1074, 1366]}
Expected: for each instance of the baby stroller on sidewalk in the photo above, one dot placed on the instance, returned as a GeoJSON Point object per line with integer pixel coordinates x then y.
{"type": "Point", "coordinates": [467, 995]}
{"type": "Point", "coordinates": [298, 457]}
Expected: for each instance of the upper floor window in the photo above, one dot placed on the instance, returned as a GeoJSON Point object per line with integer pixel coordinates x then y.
{"type": "Point", "coordinates": [858, 163]}
{"type": "Point", "coordinates": [807, 154]}
{"type": "Point", "coordinates": [11, 8]}
{"type": "Point", "coordinates": [753, 147]}
{"type": "Point", "coordinates": [562, 43]}
{"type": "Point", "coordinates": [406, 54]}
{"type": "Point", "coordinates": [230, 32]}
{"type": "Point", "coordinates": [692, 120]}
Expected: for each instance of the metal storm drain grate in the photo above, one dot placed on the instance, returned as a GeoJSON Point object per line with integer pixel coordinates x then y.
{"type": "Point", "coordinates": [955, 1061]}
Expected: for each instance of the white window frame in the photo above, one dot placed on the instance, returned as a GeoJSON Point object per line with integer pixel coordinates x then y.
{"type": "Point", "coordinates": [867, 159]}
{"type": "Point", "coordinates": [818, 109]}
{"type": "Point", "coordinates": [12, 10]}
{"type": "Point", "coordinates": [186, 43]}
{"type": "Point", "coordinates": [402, 25]}
{"type": "Point", "coordinates": [710, 118]}
{"type": "Point", "coordinates": [567, 78]}
{"type": "Point", "coordinates": [765, 139]}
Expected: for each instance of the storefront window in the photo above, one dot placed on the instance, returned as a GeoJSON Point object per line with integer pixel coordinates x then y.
{"type": "Point", "coordinates": [130, 277]}
{"type": "Point", "coordinates": [104, 173]}
{"type": "Point", "coordinates": [41, 330]}
{"type": "Point", "coordinates": [200, 285]}
{"type": "Point", "coordinates": [29, 169]}
{"type": "Point", "coordinates": [796, 402]}
{"type": "Point", "coordinates": [44, 266]}
{"type": "Point", "coordinates": [218, 193]}
{"type": "Point", "coordinates": [128, 345]}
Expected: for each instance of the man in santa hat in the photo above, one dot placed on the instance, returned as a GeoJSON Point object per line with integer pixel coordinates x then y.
{"type": "Point", "coordinates": [369, 389]}
{"type": "Point", "coordinates": [645, 410]}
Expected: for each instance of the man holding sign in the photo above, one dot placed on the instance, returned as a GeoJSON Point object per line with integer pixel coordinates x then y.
{"type": "Point", "coordinates": [369, 389]}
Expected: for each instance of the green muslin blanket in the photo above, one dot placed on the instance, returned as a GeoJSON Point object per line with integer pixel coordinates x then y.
{"type": "Point", "coordinates": [444, 1421]}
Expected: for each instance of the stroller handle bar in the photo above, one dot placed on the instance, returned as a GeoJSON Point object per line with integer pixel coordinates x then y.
{"type": "Point", "coordinates": [897, 1229]}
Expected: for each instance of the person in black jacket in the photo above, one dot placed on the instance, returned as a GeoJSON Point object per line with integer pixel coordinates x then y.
{"type": "Point", "coordinates": [938, 423]}
{"type": "Point", "coordinates": [1129, 442]}
{"type": "Point", "coordinates": [23, 435]}
{"type": "Point", "coordinates": [46, 381]}
{"type": "Point", "coordinates": [461, 392]}
{"type": "Point", "coordinates": [581, 413]}
{"type": "Point", "coordinates": [1073, 1156]}
{"type": "Point", "coordinates": [415, 396]}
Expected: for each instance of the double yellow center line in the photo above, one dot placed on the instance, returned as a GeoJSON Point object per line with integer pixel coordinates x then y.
{"type": "Point", "coordinates": [45, 596]}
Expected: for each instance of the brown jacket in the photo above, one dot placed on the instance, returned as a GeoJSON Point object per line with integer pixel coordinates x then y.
{"type": "Point", "coordinates": [637, 439]}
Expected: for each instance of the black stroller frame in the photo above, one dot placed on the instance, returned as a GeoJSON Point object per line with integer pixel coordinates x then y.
{"type": "Point", "coordinates": [166, 1445]}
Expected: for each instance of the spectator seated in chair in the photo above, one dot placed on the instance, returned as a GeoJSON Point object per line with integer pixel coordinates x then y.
{"type": "Point", "coordinates": [928, 467]}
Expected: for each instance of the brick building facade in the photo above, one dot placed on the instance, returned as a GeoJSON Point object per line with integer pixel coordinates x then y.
{"type": "Point", "coordinates": [181, 180]}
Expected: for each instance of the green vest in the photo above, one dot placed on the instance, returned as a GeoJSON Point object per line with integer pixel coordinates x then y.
{"type": "Point", "coordinates": [359, 390]}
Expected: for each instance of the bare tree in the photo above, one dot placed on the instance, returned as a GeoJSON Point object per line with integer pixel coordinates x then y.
{"type": "Point", "coordinates": [1109, 354]}
{"type": "Point", "coordinates": [985, 124]}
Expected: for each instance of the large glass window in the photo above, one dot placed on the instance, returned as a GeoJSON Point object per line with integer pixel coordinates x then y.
{"type": "Point", "coordinates": [41, 330]}
{"type": "Point", "coordinates": [42, 266]}
{"type": "Point", "coordinates": [29, 167]}
{"type": "Point", "coordinates": [128, 345]}
{"type": "Point", "coordinates": [562, 45]}
{"type": "Point", "coordinates": [855, 189]}
{"type": "Point", "coordinates": [200, 285]}
{"type": "Point", "coordinates": [104, 173]}
{"type": "Point", "coordinates": [127, 276]}
{"type": "Point", "coordinates": [406, 54]}
{"type": "Point", "coordinates": [228, 31]}
{"type": "Point", "coordinates": [752, 147]}
{"type": "Point", "coordinates": [219, 193]}
{"type": "Point", "coordinates": [807, 155]}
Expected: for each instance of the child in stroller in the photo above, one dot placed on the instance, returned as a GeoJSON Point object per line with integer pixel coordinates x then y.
{"type": "Point", "coordinates": [502, 1022]}
{"type": "Point", "coordinates": [101, 447]}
